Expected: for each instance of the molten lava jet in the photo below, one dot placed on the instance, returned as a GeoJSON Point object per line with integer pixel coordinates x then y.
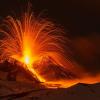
{"type": "Point", "coordinates": [40, 47]}
{"type": "Point", "coordinates": [33, 41]}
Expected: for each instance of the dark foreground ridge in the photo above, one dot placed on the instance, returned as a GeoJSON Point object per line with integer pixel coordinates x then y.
{"type": "Point", "coordinates": [18, 85]}
{"type": "Point", "coordinates": [10, 90]}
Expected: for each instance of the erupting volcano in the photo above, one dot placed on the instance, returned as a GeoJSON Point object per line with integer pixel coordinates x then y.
{"type": "Point", "coordinates": [35, 43]}
{"type": "Point", "coordinates": [41, 48]}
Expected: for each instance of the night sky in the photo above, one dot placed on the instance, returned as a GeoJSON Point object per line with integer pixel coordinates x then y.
{"type": "Point", "coordinates": [81, 18]}
{"type": "Point", "coordinates": [78, 16]}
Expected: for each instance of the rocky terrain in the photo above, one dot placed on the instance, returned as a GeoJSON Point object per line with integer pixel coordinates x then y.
{"type": "Point", "coordinates": [27, 91]}
{"type": "Point", "coordinates": [18, 85]}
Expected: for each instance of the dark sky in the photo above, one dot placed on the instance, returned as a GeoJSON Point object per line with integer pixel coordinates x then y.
{"type": "Point", "coordinates": [78, 16]}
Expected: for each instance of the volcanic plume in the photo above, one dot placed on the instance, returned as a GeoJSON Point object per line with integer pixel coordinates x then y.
{"type": "Point", "coordinates": [36, 43]}
{"type": "Point", "coordinates": [41, 48]}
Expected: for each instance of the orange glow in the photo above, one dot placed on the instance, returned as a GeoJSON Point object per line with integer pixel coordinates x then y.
{"type": "Point", "coordinates": [27, 60]}
{"type": "Point", "coordinates": [37, 43]}
{"type": "Point", "coordinates": [31, 40]}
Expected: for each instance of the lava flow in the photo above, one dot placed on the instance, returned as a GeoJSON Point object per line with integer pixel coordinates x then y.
{"type": "Point", "coordinates": [40, 47]}
{"type": "Point", "coordinates": [31, 40]}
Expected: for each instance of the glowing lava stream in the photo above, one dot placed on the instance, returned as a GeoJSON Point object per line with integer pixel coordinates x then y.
{"type": "Point", "coordinates": [38, 43]}
{"type": "Point", "coordinates": [30, 40]}
{"type": "Point", "coordinates": [28, 61]}
{"type": "Point", "coordinates": [36, 75]}
{"type": "Point", "coordinates": [31, 69]}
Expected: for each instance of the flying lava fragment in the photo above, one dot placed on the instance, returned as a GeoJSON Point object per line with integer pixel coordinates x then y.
{"type": "Point", "coordinates": [38, 44]}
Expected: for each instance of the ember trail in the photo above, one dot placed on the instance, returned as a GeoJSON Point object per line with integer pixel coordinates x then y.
{"type": "Point", "coordinates": [34, 41]}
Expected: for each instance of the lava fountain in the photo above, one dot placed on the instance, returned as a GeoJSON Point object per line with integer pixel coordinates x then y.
{"type": "Point", "coordinates": [32, 40]}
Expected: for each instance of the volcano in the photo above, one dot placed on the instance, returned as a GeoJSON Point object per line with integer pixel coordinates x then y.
{"type": "Point", "coordinates": [14, 72]}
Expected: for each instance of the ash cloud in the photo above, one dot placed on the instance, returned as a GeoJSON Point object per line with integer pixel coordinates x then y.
{"type": "Point", "coordinates": [87, 52]}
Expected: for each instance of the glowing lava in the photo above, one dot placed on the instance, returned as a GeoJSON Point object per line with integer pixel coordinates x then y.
{"type": "Point", "coordinates": [31, 41]}
{"type": "Point", "coordinates": [27, 60]}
